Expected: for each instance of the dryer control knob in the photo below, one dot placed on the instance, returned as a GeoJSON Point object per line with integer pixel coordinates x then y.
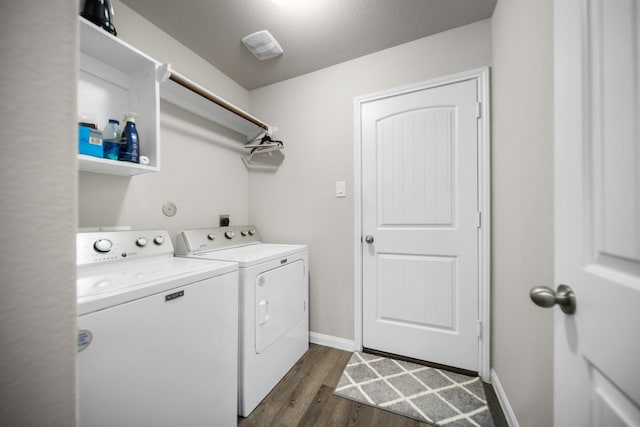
{"type": "Point", "coordinates": [142, 242]}
{"type": "Point", "coordinates": [244, 233]}
{"type": "Point", "coordinates": [211, 236]}
{"type": "Point", "coordinates": [158, 240]}
{"type": "Point", "coordinates": [229, 234]}
{"type": "Point", "coordinates": [252, 232]}
{"type": "Point", "coordinates": [102, 245]}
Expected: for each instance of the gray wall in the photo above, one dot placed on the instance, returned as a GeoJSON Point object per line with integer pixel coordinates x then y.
{"type": "Point", "coordinates": [522, 205]}
{"type": "Point", "coordinates": [315, 113]}
{"type": "Point", "coordinates": [38, 47]}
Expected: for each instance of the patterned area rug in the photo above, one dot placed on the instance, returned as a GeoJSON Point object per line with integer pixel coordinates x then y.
{"type": "Point", "coordinates": [426, 394]}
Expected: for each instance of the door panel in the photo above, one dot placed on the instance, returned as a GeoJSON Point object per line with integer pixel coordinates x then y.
{"type": "Point", "coordinates": [416, 171]}
{"type": "Point", "coordinates": [280, 303]}
{"type": "Point", "coordinates": [420, 204]}
{"type": "Point", "coordinates": [610, 407]}
{"type": "Point", "coordinates": [430, 281]}
{"type": "Point", "coordinates": [597, 104]}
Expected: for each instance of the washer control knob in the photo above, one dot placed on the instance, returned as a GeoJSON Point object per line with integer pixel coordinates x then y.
{"type": "Point", "coordinates": [252, 232]}
{"type": "Point", "coordinates": [211, 236]}
{"type": "Point", "coordinates": [244, 233]}
{"type": "Point", "coordinates": [142, 242]}
{"type": "Point", "coordinates": [158, 240]}
{"type": "Point", "coordinates": [229, 234]}
{"type": "Point", "coordinates": [103, 245]}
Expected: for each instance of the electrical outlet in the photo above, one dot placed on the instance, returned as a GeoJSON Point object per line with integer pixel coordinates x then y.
{"type": "Point", "coordinates": [224, 220]}
{"type": "Point", "coordinates": [169, 209]}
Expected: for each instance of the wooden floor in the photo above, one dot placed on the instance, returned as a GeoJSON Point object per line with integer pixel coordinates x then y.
{"type": "Point", "coordinates": [305, 397]}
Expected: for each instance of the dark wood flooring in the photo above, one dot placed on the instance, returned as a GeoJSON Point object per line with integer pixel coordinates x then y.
{"type": "Point", "coordinates": [305, 397]}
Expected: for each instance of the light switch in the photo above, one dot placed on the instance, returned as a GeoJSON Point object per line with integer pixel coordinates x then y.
{"type": "Point", "coordinates": [341, 189]}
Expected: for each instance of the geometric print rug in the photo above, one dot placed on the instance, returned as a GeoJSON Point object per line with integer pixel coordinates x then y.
{"type": "Point", "coordinates": [426, 394]}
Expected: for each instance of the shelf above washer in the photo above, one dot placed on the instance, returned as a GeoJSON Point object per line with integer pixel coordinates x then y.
{"type": "Point", "coordinates": [183, 92]}
{"type": "Point", "coordinates": [113, 167]}
{"type": "Point", "coordinates": [115, 77]}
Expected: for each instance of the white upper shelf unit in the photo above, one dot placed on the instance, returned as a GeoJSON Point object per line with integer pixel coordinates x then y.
{"type": "Point", "coordinates": [179, 90]}
{"type": "Point", "coordinates": [115, 77]}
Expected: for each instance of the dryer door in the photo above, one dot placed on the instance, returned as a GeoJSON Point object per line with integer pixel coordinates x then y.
{"type": "Point", "coordinates": [280, 302]}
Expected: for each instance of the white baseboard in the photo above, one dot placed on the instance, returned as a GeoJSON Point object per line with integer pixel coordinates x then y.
{"type": "Point", "coordinates": [504, 402]}
{"type": "Point", "coordinates": [331, 341]}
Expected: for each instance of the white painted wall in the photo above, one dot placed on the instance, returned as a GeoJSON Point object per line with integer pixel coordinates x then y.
{"type": "Point", "coordinates": [522, 205]}
{"type": "Point", "coordinates": [315, 114]}
{"type": "Point", "coordinates": [38, 45]}
{"type": "Point", "coordinates": [200, 173]}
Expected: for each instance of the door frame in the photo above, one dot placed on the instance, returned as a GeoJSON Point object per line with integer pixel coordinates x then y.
{"type": "Point", "coordinates": [482, 76]}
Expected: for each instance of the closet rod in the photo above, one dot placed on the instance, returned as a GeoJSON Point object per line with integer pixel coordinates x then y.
{"type": "Point", "coordinates": [188, 85]}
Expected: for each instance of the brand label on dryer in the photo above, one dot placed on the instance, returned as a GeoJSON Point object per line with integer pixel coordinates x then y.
{"type": "Point", "coordinates": [84, 339]}
{"type": "Point", "coordinates": [283, 261]}
{"type": "Point", "coordinates": [174, 296]}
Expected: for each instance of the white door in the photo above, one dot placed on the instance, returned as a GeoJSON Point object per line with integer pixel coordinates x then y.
{"type": "Point", "coordinates": [597, 212]}
{"type": "Point", "coordinates": [420, 221]}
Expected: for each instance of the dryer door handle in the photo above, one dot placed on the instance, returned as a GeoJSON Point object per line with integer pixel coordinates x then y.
{"type": "Point", "coordinates": [263, 312]}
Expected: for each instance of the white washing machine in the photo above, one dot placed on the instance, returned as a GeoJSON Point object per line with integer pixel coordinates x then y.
{"type": "Point", "coordinates": [274, 294]}
{"type": "Point", "coordinates": [157, 335]}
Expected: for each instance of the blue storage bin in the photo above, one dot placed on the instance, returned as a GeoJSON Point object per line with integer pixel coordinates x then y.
{"type": "Point", "coordinates": [89, 141]}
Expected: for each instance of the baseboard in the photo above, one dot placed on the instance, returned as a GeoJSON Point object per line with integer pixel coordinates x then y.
{"type": "Point", "coordinates": [331, 341]}
{"type": "Point", "coordinates": [504, 402]}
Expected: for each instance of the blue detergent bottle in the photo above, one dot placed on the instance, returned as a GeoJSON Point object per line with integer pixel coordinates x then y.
{"type": "Point", "coordinates": [129, 143]}
{"type": "Point", "coordinates": [111, 140]}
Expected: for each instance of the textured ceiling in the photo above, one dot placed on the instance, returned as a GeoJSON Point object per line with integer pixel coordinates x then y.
{"type": "Point", "coordinates": [313, 33]}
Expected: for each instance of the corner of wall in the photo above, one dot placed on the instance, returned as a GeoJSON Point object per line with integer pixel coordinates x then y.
{"type": "Point", "coordinates": [522, 205]}
{"type": "Point", "coordinates": [504, 401]}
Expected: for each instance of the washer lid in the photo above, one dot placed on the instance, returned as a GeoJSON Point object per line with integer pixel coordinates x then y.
{"type": "Point", "coordinates": [249, 255]}
{"type": "Point", "coordinates": [103, 286]}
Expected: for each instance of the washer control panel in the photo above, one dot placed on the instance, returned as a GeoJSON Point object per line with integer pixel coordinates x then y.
{"type": "Point", "coordinates": [106, 246]}
{"type": "Point", "coordinates": [206, 239]}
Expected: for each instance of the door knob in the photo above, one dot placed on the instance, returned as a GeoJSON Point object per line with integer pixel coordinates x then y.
{"type": "Point", "coordinates": [547, 297]}
{"type": "Point", "coordinates": [368, 238]}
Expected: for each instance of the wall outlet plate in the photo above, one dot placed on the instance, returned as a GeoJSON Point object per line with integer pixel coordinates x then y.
{"type": "Point", "coordinates": [169, 209]}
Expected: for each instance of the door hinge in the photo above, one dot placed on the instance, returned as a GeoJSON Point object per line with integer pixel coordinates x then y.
{"type": "Point", "coordinates": [478, 110]}
{"type": "Point", "coordinates": [479, 220]}
{"type": "Point", "coordinates": [479, 328]}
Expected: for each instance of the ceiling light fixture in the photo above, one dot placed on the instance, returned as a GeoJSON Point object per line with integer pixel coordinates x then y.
{"type": "Point", "coordinates": [262, 45]}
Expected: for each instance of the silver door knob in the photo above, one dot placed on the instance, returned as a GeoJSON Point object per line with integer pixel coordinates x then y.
{"type": "Point", "coordinates": [547, 297]}
{"type": "Point", "coordinates": [368, 238]}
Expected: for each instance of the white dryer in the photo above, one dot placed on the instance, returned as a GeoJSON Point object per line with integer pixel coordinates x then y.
{"type": "Point", "coordinates": [157, 335]}
{"type": "Point", "coordinates": [274, 294]}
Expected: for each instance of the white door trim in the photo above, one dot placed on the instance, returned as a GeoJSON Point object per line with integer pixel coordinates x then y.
{"type": "Point", "coordinates": [484, 204]}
